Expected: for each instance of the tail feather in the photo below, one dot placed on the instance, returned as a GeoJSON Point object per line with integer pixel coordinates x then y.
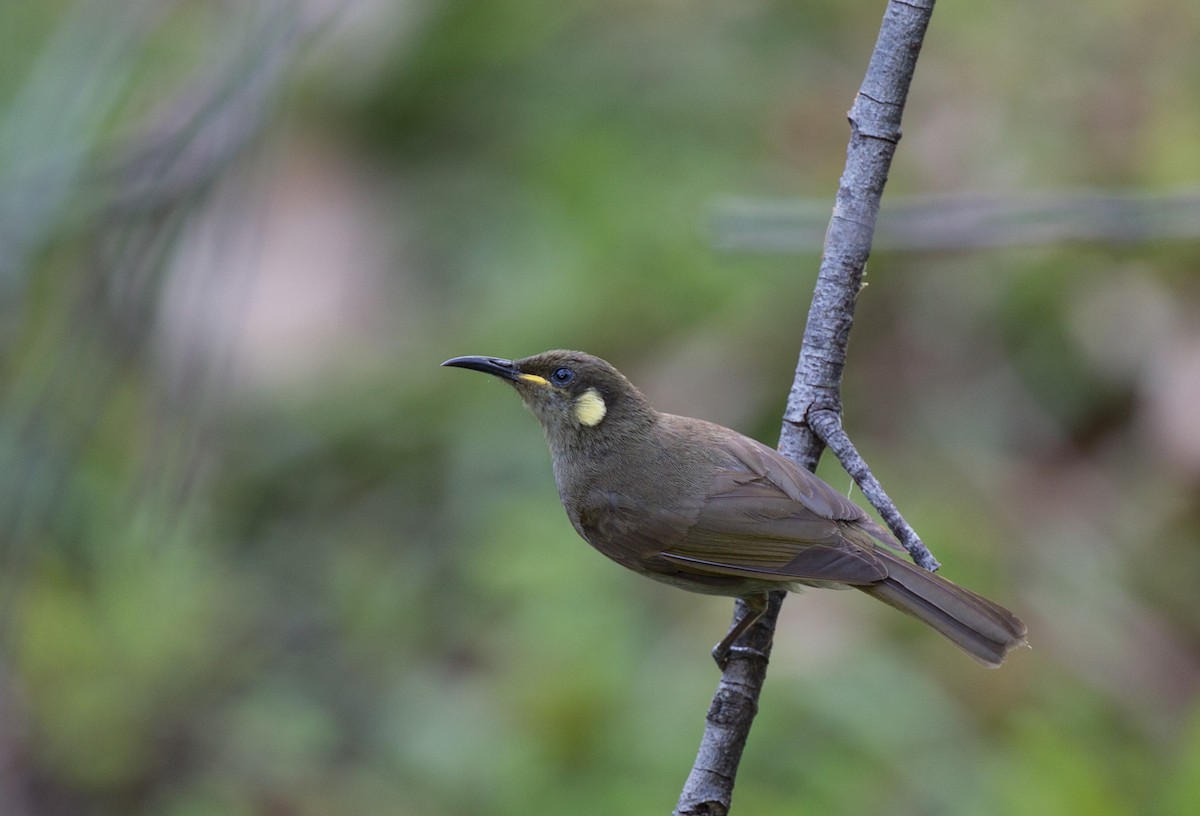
{"type": "Point", "coordinates": [983, 629]}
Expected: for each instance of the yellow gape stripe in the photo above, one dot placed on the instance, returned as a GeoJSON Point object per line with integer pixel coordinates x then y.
{"type": "Point", "coordinates": [590, 408]}
{"type": "Point", "coordinates": [534, 378]}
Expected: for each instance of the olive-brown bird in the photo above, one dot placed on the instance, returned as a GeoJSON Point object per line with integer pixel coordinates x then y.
{"type": "Point", "coordinates": [704, 508]}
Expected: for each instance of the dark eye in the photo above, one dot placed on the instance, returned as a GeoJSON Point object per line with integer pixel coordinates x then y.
{"type": "Point", "coordinates": [562, 376]}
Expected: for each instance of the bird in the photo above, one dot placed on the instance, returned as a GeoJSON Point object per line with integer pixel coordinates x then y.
{"type": "Point", "coordinates": [704, 508]}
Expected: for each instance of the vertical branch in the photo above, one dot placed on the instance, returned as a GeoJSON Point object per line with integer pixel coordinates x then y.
{"type": "Point", "coordinates": [874, 134]}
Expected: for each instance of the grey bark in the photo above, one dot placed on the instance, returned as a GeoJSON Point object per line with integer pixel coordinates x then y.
{"type": "Point", "coordinates": [812, 417]}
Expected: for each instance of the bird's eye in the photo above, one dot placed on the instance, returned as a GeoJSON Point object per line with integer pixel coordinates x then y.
{"type": "Point", "coordinates": [562, 376]}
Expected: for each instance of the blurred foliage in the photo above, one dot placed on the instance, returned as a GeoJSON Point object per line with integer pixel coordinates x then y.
{"type": "Point", "coordinates": [259, 555]}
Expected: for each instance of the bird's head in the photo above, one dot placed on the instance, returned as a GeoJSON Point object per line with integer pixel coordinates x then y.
{"type": "Point", "coordinates": [578, 399]}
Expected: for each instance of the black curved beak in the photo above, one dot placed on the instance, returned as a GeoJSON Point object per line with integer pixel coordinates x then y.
{"type": "Point", "coordinates": [496, 366]}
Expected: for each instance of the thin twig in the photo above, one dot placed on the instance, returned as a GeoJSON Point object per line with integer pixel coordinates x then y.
{"type": "Point", "coordinates": [874, 132]}
{"type": "Point", "coordinates": [828, 426]}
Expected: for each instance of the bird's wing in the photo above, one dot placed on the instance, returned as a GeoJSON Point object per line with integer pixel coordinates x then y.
{"type": "Point", "coordinates": [790, 479]}
{"type": "Point", "coordinates": [804, 487]}
{"type": "Point", "coordinates": [747, 526]}
{"type": "Point", "coordinates": [761, 517]}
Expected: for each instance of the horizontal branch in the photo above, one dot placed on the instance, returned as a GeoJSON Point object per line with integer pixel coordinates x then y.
{"type": "Point", "coordinates": [959, 221]}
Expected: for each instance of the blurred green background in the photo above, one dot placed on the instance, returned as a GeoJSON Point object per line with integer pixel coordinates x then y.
{"type": "Point", "coordinates": [260, 555]}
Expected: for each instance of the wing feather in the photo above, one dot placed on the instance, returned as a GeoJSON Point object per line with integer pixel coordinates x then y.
{"type": "Point", "coordinates": [761, 517]}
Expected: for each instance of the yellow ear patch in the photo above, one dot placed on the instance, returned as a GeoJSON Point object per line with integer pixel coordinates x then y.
{"type": "Point", "coordinates": [590, 408]}
{"type": "Point", "coordinates": [534, 378]}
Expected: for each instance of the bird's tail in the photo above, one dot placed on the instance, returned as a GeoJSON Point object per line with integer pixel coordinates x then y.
{"type": "Point", "coordinates": [984, 630]}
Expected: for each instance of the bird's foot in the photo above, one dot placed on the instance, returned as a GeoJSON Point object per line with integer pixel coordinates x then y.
{"type": "Point", "coordinates": [722, 654]}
